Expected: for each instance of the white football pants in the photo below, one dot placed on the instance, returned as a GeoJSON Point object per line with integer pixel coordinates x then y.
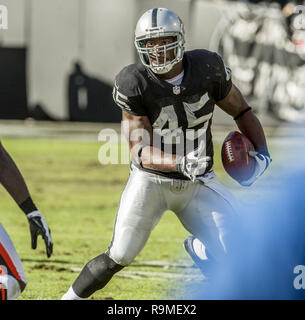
{"type": "Point", "coordinates": [207, 210]}
{"type": "Point", "coordinates": [11, 267]}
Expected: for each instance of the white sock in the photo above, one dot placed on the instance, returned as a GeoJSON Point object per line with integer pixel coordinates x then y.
{"type": "Point", "coordinates": [71, 295]}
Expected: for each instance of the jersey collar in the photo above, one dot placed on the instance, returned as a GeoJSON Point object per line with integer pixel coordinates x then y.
{"type": "Point", "coordinates": [165, 84]}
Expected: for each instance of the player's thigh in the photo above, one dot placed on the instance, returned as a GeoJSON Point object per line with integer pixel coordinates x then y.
{"type": "Point", "coordinates": [211, 217]}
{"type": "Point", "coordinates": [140, 209]}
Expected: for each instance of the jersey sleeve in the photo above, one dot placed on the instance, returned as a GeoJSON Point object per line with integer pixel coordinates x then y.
{"type": "Point", "coordinates": [127, 94]}
{"type": "Point", "coordinates": [222, 83]}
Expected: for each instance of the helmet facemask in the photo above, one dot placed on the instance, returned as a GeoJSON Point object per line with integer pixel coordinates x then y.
{"type": "Point", "coordinates": [156, 57]}
{"type": "Point", "coordinates": [155, 24]}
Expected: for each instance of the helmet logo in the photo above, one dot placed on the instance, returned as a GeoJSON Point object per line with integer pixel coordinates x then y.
{"type": "Point", "coordinates": [176, 90]}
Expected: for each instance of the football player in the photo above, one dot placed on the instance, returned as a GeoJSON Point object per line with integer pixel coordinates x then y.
{"type": "Point", "coordinates": [167, 102]}
{"type": "Point", "coordinates": [12, 277]}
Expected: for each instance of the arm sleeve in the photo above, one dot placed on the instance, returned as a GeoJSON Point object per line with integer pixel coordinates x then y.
{"type": "Point", "coordinates": [222, 83]}
{"type": "Point", "coordinates": [128, 100]}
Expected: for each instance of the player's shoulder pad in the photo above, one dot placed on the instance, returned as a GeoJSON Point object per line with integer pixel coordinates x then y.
{"type": "Point", "coordinates": [128, 80]}
{"type": "Point", "coordinates": [206, 61]}
{"type": "Point", "coordinates": [203, 56]}
{"type": "Point", "coordinates": [214, 63]}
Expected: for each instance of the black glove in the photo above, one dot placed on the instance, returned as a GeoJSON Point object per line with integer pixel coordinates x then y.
{"type": "Point", "coordinates": [38, 226]}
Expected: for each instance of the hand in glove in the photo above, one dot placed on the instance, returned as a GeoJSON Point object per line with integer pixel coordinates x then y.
{"type": "Point", "coordinates": [194, 163]}
{"type": "Point", "coordinates": [38, 226]}
{"type": "Point", "coordinates": [262, 163]}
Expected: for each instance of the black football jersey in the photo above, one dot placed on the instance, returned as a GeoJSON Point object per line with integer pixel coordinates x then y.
{"type": "Point", "coordinates": [181, 116]}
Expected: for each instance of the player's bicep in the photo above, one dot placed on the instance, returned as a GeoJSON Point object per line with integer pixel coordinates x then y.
{"type": "Point", "coordinates": [233, 103]}
{"type": "Point", "coordinates": [137, 130]}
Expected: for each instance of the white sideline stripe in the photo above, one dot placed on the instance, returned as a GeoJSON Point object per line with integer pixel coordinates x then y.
{"type": "Point", "coordinates": [157, 276]}
{"type": "Point", "coordinates": [164, 264]}
{"type": "Point", "coordinates": [160, 263]}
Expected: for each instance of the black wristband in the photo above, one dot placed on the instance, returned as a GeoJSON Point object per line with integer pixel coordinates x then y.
{"type": "Point", "coordinates": [28, 206]}
{"type": "Point", "coordinates": [242, 113]}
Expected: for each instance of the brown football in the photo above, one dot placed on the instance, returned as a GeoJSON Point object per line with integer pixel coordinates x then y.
{"type": "Point", "coordinates": [235, 158]}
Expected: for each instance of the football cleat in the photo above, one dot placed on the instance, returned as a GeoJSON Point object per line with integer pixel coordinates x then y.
{"type": "Point", "coordinates": [9, 287]}
{"type": "Point", "coordinates": [200, 259]}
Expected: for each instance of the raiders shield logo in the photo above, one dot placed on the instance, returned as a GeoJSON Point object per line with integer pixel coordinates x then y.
{"type": "Point", "coordinates": [176, 90]}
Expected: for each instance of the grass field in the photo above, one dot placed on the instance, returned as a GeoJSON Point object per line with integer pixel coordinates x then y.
{"type": "Point", "coordinates": [79, 198]}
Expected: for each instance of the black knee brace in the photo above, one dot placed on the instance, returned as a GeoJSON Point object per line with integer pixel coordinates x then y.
{"type": "Point", "coordinates": [95, 275]}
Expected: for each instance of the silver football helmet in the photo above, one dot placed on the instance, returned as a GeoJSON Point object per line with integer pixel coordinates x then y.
{"type": "Point", "coordinates": [157, 23]}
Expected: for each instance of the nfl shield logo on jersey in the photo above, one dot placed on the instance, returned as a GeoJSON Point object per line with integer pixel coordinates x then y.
{"type": "Point", "coordinates": [176, 90]}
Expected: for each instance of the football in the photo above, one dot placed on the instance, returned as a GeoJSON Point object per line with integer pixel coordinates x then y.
{"type": "Point", "coordinates": [235, 158]}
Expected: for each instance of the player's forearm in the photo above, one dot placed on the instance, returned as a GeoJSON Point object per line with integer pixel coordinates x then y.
{"type": "Point", "coordinates": [251, 127]}
{"type": "Point", "coordinates": [155, 159]}
{"type": "Point", "coordinates": [139, 134]}
{"type": "Point", "coordinates": [11, 178]}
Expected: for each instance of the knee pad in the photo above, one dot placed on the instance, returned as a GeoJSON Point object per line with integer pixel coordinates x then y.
{"type": "Point", "coordinates": [95, 275]}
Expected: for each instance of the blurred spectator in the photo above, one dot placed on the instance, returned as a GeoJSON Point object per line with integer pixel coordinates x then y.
{"type": "Point", "coordinates": [297, 36]}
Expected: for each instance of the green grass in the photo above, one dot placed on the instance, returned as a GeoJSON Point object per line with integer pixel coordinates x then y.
{"type": "Point", "coordinates": [79, 198]}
